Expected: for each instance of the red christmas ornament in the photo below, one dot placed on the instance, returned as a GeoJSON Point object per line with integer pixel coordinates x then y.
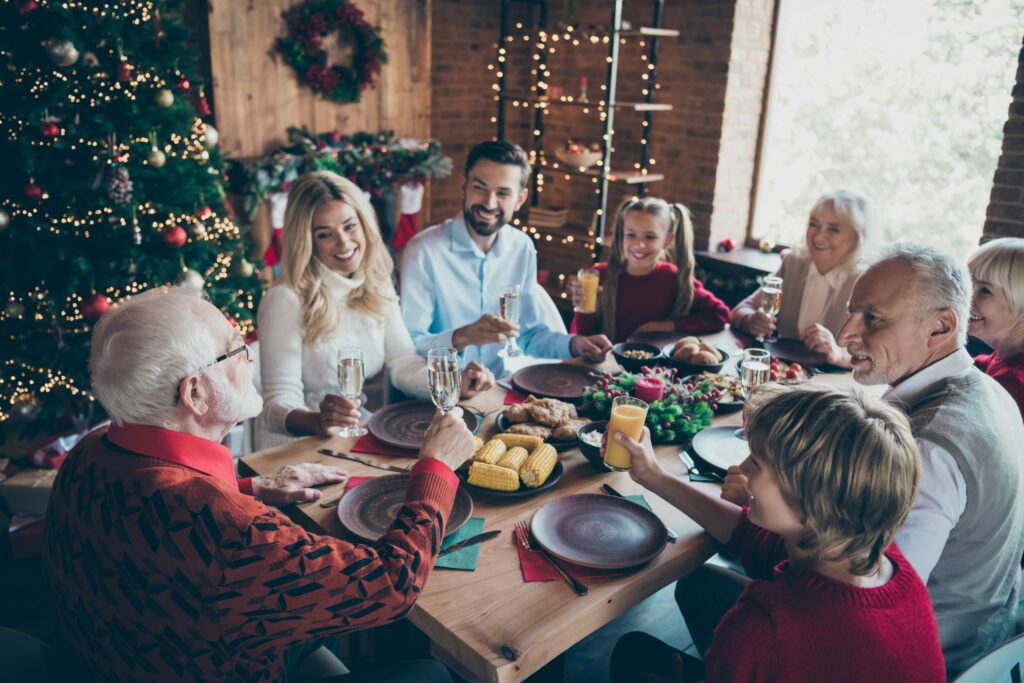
{"type": "Point", "coordinates": [124, 71]}
{"type": "Point", "coordinates": [726, 245]}
{"type": "Point", "coordinates": [174, 236]}
{"type": "Point", "coordinates": [203, 107]}
{"type": "Point", "coordinates": [183, 84]}
{"type": "Point", "coordinates": [28, 7]}
{"type": "Point", "coordinates": [95, 307]}
{"type": "Point", "coordinates": [49, 129]}
{"type": "Point", "coordinates": [232, 321]}
{"type": "Point", "coordinates": [204, 213]}
{"type": "Point", "coordinates": [33, 192]}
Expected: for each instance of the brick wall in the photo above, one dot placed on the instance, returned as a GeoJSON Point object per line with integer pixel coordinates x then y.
{"type": "Point", "coordinates": [1005, 216]}
{"type": "Point", "coordinates": [713, 75]}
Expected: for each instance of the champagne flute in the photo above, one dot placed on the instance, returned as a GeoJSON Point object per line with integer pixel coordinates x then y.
{"type": "Point", "coordinates": [510, 306]}
{"type": "Point", "coordinates": [771, 296]}
{"type": "Point", "coordinates": [444, 376]}
{"type": "Point", "coordinates": [755, 369]}
{"type": "Point", "coordinates": [350, 379]}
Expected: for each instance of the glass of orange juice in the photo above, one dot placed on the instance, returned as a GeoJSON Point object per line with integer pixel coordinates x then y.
{"type": "Point", "coordinates": [590, 281]}
{"type": "Point", "coordinates": [628, 417]}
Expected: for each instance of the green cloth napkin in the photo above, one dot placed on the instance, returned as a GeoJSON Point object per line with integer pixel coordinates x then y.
{"type": "Point", "coordinates": [638, 499]}
{"type": "Point", "coordinates": [466, 558]}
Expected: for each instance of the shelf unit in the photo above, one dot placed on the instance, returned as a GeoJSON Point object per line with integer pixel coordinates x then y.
{"type": "Point", "coordinates": [607, 105]}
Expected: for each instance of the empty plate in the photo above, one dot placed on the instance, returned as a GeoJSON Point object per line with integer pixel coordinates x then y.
{"type": "Point", "coordinates": [598, 531]}
{"type": "Point", "coordinates": [403, 425]}
{"type": "Point", "coordinates": [554, 380]}
{"type": "Point", "coordinates": [720, 447]}
{"type": "Point", "coordinates": [369, 509]}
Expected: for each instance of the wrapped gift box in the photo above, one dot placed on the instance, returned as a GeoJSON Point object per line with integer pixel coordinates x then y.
{"type": "Point", "coordinates": [27, 492]}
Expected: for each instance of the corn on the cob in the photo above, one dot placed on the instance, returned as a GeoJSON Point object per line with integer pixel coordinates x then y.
{"type": "Point", "coordinates": [493, 477]}
{"type": "Point", "coordinates": [514, 458]}
{"type": "Point", "coordinates": [537, 468]}
{"type": "Point", "coordinates": [522, 440]}
{"type": "Point", "coordinates": [491, 452]}
{"type": "Point", "coordinates": [478, 443]}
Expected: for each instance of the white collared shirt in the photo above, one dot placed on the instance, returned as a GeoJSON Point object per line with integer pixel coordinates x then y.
{"type": "Point", "coordinates": [942, 495]}
{"type": "Point", "coordinates": [819, 291]}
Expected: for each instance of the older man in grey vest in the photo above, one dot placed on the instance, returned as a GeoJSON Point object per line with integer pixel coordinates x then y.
{"type": "Point", "coordinates": [965, 534]}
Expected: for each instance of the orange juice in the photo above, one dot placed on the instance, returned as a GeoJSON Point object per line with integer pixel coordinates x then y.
{"type": "Point", "coordinates": [589, 283]}
{"type": "Point", "coordinates": [628, 416]}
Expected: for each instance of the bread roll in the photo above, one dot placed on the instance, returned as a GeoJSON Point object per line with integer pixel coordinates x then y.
{"type": "Point", "coordinates": [704, 358]}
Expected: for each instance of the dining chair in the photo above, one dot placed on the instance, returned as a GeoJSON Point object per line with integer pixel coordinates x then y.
{"type": "Point", "coordinates": [1001, 664]}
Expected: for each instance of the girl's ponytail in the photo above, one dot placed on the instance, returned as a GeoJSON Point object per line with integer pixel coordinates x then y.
{"type": "Point", "coordinates": [681, 253]}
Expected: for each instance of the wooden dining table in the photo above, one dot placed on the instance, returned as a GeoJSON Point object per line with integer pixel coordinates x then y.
{"type": "Point", "coordinates": [498, 627]}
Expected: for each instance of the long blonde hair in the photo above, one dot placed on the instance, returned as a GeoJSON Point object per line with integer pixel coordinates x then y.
{"type": "Point", "coordinates": [321, 314]}
{"type": "Point", "coordinates": [678, 226]}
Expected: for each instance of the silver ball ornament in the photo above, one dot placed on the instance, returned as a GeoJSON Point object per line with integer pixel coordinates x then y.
{"type": "Point", "coordinates": [61, 51]}
{"type": "Point", "coordinates": [244, 268]}
{"type": "Point", "coordinates": [191, 279]}
{"type": "Point", "coordinates": [5, 220]}
{"type": "Point", "coordinates": [212, 137]}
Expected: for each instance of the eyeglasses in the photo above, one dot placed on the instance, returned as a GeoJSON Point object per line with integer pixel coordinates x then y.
{"type": "Point", "coordinates": [244, 348]}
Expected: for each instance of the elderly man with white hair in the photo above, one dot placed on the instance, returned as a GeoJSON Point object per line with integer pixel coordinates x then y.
{"type": "Point", "coordinates": [162, 568]}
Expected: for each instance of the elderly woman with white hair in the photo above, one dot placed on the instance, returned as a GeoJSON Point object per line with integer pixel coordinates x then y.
{"type": "Point", "coordinates": [997, 312]}
{"type": "Point", "coordinates": [818, 278]}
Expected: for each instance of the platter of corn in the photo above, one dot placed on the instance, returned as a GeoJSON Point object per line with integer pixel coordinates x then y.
{"type": "Point", "coordinates": [513, 466]}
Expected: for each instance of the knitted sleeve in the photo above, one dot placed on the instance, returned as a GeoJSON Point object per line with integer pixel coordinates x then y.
{"type": "Point", "coordinates": [707, 313]}
{"type": "Point", "coordinates": [745, 646]}
{"type": "Point", "coordinates": [407, 369]}
{"type": "Point", "coordinates": [282, 585]}
{"type": "Point", "coordinates": [280, 325]}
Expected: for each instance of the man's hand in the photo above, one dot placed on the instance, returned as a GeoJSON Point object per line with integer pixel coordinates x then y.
{"type": "Point", "coordinates": [594, 347]}
{"type": "Point", "coordinates": [291, 483]}
{"type": "Point", "coordinates": [337, 411]}
{"type": "Point", "coordinates": [656, 326]}
{"type": "Point", "coordinates": [759, 324]}
{"type": "Point", "coordinates": [489, 329]}
{"type": "Point", "coordinates": [819, 339]}
{"type": "Point", "coordinates": [475, 379]}
{"type": "Point", "coordinates": [448, 439]}
{"type": "Point", "coordinates": [734, 488]}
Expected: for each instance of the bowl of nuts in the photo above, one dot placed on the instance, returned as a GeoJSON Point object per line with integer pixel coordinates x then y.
{"type": "Point", "coordinates": [634, 355]}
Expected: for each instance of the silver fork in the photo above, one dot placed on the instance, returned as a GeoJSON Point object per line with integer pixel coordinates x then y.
{"type": "Point", "coordinates": [525, 540]}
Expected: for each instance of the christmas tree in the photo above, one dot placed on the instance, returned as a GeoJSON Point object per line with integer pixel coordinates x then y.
{"type": "Point", "coordinates": [111, 185]}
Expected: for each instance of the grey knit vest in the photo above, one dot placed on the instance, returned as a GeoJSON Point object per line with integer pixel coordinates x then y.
{"type": "Point", "coordinates": [975, 583]}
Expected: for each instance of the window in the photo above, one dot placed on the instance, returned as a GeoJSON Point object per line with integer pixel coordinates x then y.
{"type": "Point", "coordinates": [903, 101]}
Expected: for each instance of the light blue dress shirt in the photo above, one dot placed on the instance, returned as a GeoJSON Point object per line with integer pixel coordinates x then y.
{"type": "Point", "coordinates": [448, 282]}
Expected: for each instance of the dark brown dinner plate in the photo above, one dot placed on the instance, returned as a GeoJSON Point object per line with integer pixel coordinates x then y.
{"type": "Point", "coordinates": [720, 447]}
{"type": "Point", "coordinates": [794, 351]}
{"type": "Point", "coordinates": [602, 532]}
{"type": "Point", "coordinates": [370, 508]}
{"type": "Point", "coordinates": [403, 425]}
{"type": "Point", "coordinates": [494, 496]}
{"type": "Point", "coordinates": [553, 380]}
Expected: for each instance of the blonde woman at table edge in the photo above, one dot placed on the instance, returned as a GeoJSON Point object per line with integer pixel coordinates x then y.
{"type": "Point", "coordinates": [836, 599]}
{"type": "Point", "coordinates": [335, 291]}
{"type": "Point", "coordinates": [818, 276]}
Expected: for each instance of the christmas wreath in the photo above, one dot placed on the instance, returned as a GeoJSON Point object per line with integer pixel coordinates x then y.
{"type": "Point", "coordinates": [303, 48]}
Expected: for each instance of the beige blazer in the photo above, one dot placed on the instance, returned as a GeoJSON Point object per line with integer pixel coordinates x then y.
{"type": "Point", "coordinates": [793, 271]}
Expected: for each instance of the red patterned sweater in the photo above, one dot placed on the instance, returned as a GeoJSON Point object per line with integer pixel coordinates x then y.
{"type": "Point", "coordinates": [162, 570]}
{"type": "Point", "coordinates": [1009, 373]}
{"type": "Point", "coordinates": [802, 626]}
{"type": "Point", "coordinates": [649, 298]}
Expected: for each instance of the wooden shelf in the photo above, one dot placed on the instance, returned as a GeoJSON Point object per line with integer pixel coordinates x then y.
{"type": "Point", "coordinates": [651, 31]}
{"type": "Point", "coordinates": [635, 106]}
{"type": "Point", "coordinates": [621, 176]}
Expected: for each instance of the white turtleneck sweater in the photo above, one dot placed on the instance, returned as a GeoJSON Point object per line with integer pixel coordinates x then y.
{"type": "Point", "coordinates": [297, 376]}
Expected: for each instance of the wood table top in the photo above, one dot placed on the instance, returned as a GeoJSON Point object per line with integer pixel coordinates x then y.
{"type": "Point", "coordinates": [496, 625]}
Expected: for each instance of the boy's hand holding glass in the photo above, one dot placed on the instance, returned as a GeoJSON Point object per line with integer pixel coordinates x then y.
{"type": "Point", "coordinates": [644, 466]}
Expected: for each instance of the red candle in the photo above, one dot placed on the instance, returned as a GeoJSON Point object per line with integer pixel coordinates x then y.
{"type": "Point", "coordinates": [649, 389]}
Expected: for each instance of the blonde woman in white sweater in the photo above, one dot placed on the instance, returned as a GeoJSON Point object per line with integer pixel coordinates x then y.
{"type": "Point", "coordinates": [335, 290]}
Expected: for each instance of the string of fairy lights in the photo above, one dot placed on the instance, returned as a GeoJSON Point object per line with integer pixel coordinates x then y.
{"type": "Point", "coordinates": [83, 86]}
{"type": "Point", "coordinates": [543, 45]}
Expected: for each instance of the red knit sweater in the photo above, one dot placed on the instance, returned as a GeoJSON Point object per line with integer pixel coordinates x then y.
{"type": "Point", "coordinates": [161, 570]}
{"type": "Point", "coordinates": [802, 626]}
{"type": "Point", "coordinates": [649, 298]}
{"type": "Point", "coordinates": [1009, 373]}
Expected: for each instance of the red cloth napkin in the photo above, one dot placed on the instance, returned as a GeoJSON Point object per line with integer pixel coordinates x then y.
{"type": "Point", "coordinates": [535, 567]}
{"type": "Point", "coordinates": [513, 397]}
{"type": "Point", "coordinates": [368, 443]}
{"type": "Point", "coordinates": [355, 481]}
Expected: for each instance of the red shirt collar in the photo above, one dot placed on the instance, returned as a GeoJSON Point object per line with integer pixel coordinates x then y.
{"type": "Point", "coordinates": [194, 452]}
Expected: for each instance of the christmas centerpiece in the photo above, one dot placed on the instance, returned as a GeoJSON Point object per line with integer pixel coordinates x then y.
{"type": "Point", "coordinates": [676, 410]}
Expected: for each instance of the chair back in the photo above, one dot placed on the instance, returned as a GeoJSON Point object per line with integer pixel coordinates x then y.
{"type": "Point", "coordinates": [1001, 664]}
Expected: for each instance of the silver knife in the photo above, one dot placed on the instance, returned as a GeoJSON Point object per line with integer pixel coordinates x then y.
{"type": "Point", "coordinates": [672, 536]}
{"type": "Point", "coordinates": [362, 461]}
{"type": "Point", "coordinates": [472, 540]}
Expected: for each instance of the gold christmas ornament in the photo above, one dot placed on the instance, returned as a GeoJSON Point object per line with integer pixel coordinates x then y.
{"type": "Point", "coordinates": [244, 268]}
{"type": "Point", "coordinates": [191, 279]}
{"type": "Point", "coordinates": [5, 220]}
{"type": "Point", "coordinates": [164, 98]}
{"type": "Point", "coordinates": [61, 51]}
{"type": "Point", "coordinates": [156, 158]}
{"type": "Point", "coordinates": [199, 230]}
